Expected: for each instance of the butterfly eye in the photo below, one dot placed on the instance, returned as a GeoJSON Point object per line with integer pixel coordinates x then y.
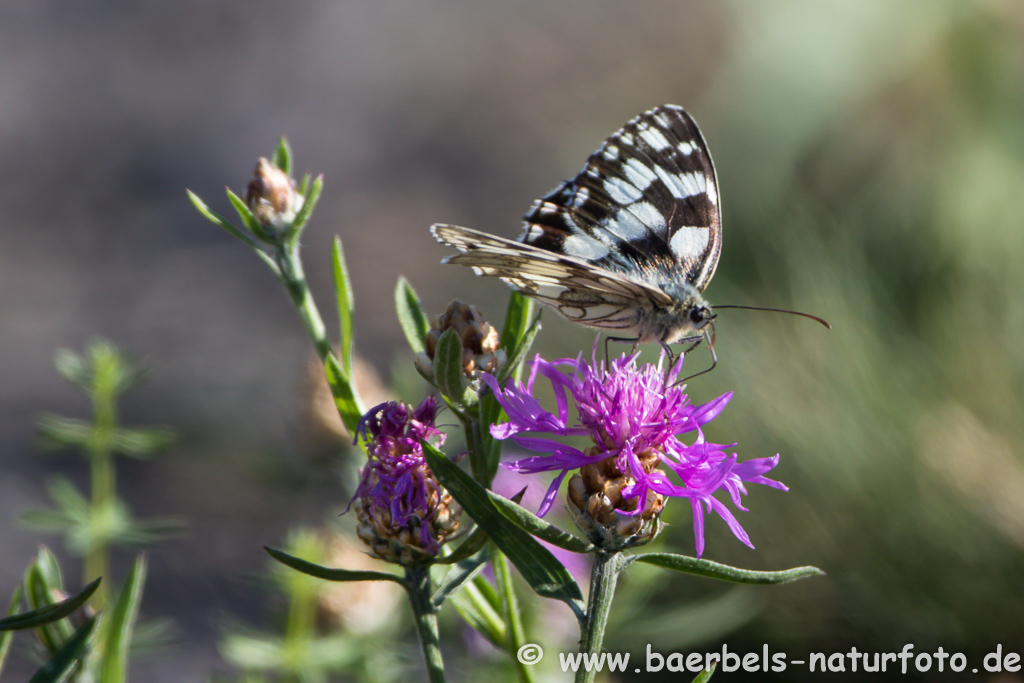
{"type": "Point", "coordinates": [698, 315]}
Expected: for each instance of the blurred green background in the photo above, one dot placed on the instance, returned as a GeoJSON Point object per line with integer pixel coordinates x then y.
{"type": "Point", "coordinates": [871, 163]}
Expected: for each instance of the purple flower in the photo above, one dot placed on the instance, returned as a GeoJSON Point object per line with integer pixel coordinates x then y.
{"type": "Point", "coordinates": [404, 514]}
{"type": "Point", "coordinates": [634, 416]}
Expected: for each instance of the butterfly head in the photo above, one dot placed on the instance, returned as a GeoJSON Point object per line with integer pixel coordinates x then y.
{"type": "Point", "coordinates": [684, 320]}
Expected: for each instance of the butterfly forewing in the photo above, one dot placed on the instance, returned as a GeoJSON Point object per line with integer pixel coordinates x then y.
{"type": "Point", "coordinates": [644, 204]}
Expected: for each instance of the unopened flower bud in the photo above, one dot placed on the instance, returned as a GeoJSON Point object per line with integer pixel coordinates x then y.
{"type": "Point", "coordinates": [271, 195]}
{"type": "Point", "coordinates": [480, 352]}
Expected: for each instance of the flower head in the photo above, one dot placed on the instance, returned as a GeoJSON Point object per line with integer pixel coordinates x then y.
{"type": "Point", "coordinates": [404, 514]}
{"type": "Point", "coordinates": [634, 416]}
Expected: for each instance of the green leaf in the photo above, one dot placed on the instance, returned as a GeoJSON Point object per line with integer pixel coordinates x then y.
{"type": "Point", "coordinates": [118, 625]}
{"type": "Point", "coordinates": [479, 612]}
{"type": "Point", "coordinates": [72, 368]}
{"type": "Point", "coordinates": [310, 199]}
{"type": "Point", "coordinates": [721, 572]}
{"type": "Point", "coordinates": [48, 521]}
{"type": "Point", "coordinates": [71, 502]}
{"type": "Point", "coordinates": [705, 675]}
{"type": "Point", "coordinates": [63, 432]}
{"type": "Point", "coordinates": [471, 546]}
{"type": "Point", "coordinates": [542, 571]}
{"type": "Point", "coordinates": [42, 585]}
{"type": "Point", "coordinates": [228, 227]}
{"type": "Point", "coordinates": [249, 220]}
{"type": "Point", "coordinates": [283, 156]}
{"type": "Point", "coordinates": [220, 221]}
{"type": "Point", "coordinates": [8, 634]}
{"type": "Point", "coordinates": [345, 398]}
{"type": "Point", "coordinates": [343, 296]}
{"type": "Point", "coordinates": [534, 525]}
{"type": "Point", "coordinates": [517, 320]}
{"type": "Point", "coordinates": [328, 573]}
{"type": "Point", "coordinates": [458, 575]}
{"type": "Point", "coordinates": [49, 613]}
{"type": "Point", "coordinates": [141, 443]}
{"type": "Point", "coordinates": [64, 660]}
{"type": "Point", "coordinates": [411, 316]}
{"type": "Point", "coordinates": [511, 615]}
{"type": "Point", "coordinates": [451, 380]}
{"type": "Point", "coordinates": [516, 356]}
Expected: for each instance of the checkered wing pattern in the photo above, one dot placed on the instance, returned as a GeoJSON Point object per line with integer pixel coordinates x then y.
{"type": "Point", "coordinates": [625, 245]}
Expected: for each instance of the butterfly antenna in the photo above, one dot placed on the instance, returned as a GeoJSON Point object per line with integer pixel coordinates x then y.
{"type": "Point", "coordinates": [780, 310]}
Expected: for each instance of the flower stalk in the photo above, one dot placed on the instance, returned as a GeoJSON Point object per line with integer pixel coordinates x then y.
{"type": "Point", "coordinates": [603, 576]}
{"type": "Point", "coordinates": [417, 584]}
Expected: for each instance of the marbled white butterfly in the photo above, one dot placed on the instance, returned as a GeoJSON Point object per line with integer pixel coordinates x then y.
{"type": "Point", "coordinates": [629, 244]}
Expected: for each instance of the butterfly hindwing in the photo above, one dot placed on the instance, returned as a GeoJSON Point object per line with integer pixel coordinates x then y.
{"type": "Point", "coordinates": [578, 290]}
{"type": "Point", "coordinates": [645, 204]}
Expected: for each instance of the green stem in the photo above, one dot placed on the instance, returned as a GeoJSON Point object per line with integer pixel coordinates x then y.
{"type": "Point", "coordinates": [510, 613]}
{"type": "Point", "coordinates": [476, 444]}
{"type": "Point", "coordinates": [603, 577]}
{"type": "Point", "coordinates": [294, 280]}
{"type": "Point", "coordinates": [103, 484]}
{"type": "Point", "coordinates": [419, 588]}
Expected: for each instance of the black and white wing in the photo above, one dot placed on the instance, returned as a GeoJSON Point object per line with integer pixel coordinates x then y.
{"type": "Point", "coordinates": [578, 290]}
{"type": "Point", "coordinates": [645, 205]}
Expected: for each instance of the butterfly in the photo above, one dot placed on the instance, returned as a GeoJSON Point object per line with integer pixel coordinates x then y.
{"type": "Point", "coordinates": [628, 245]}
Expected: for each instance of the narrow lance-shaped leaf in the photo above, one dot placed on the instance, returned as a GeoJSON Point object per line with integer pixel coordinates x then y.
{"type": "Point", "coordinates": [478, 611]}
{"type": "Point", "coordinates": [310, 199]}
{"type": "Point", "coordinates": [245, 213]}
{"type": "Point", "coordinates": [66, 658]}
{"type": "Point", "coordinates": [283, 156]}
{"type": "Point", "coordinates": [451, 380]}
{"type": "Point", "coordinates": [328, 573]}
{"type": "Point", "coordinates": [722, 572]}
{"type": "Point", "coordinates": [510, 614]}
{"type": "Point", "coordinates": [411, 316]}
{"type": "Point", "coordinates": [49, 613]}
{"type": "Point", "coordinates": [219, 220]}
{"type": "Point", "coordinates": [471, 546]}
{"type": "Point", "coordinates": [517, 320]}
{"type": "Point", "coordinates": [345, 398]}
{"type": "Point", "coordinates": [536, 526]}
{"type": "Point", "coordinates": [458, 575]}
{"type": "Point", "coordinates": [705, 675]}
{"type": "Point", "coordinates": [518, 353]}
{"type": "Point", "coordinates": [7, 635]}
{"type": "Point", "coordinates": [118, 625]}
{"type": "Point", "coordinates": [343, 296]}
{"type": "Point", "coordinates": [42, 582]}
{"type": "Point", "coordinates": [230, 228]}
{"type": "Point", "coordinates": [539, 567]}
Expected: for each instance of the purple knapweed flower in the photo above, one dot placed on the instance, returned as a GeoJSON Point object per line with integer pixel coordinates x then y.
{"type": "Point", "coordinates": [634, 416]}
{"type": "Point", "coordinates": [404, 514]}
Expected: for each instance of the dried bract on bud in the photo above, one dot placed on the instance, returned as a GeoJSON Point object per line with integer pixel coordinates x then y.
{"type": "Point", "coordinates": [480, 352]}
{"type": "Point", "coordinates": [271, 195]}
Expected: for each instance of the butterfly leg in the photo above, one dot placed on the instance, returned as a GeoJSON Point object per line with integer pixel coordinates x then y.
{"type": "Point", "coordinates": [622, 340]}
{"type": "Point", "coordinates": [710, 336]}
